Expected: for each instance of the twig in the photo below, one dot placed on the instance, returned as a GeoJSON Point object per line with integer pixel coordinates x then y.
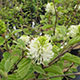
{"type": "Point", "coordinates": [56, 16]}
{"type": "Point", "coordinates": [68, 68]}
{"type": "Point", "coordinates": [60, 55]}
{"type": "Point", "coordinates": [15, 65]}
{"type": "Point", "coordinates": [64, 75]}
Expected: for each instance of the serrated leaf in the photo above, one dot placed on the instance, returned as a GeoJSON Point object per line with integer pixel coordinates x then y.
{"type": "Point", "coordinates": [23, 68]}
{"type": "Point", "coordinates": [13, 77]}
{"type": "Point", "coordinates": [74, 40]}
{"type": "Point", "coordinates": [47, 26]}
{"type": "Point", "coordinates": [55, 49]}
{"type": "Point", "coordinates": [10, 63]}
{"type": "Point", "coordinates": [7, 65]}
{"type": "Point", "coordinates": [51, 74]}
{"type": "Point", "coordinates": [30, 75]}
{"type": "Point", "coordinates": [71, 58]}
{"type": "Point", "coordinates": [2, 40]}
{"type": "Point", "coordinates": [16, 31]}
{"type": "Point", "coordinates": [38, 69]}
{"type": "Point", "coordinates": [54, 69]}
{"type": "Point", "coordinates": [4, 74]}
{"type": "Point", "coordinates": [6, 55]}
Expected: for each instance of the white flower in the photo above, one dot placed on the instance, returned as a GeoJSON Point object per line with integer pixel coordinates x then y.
{"type": "Point", "coordinates": [18, 8]}
{"type": "Point", "coordinates": [40, 50]}
{"type": "Point", "coordinates": [25, 39]}
{"type": "Point", "coordinates": [63, 45]}
{"type": "Point", "coordinates": [73, 30]}
{"type": "Point", "coordinates": [15, 29]}
{"type": "Point", "coordinates": [50, 8]}
{"type": "Point", "coordinates": [33, 24]}
{"type": "Point", "coordinates": [77, 7]}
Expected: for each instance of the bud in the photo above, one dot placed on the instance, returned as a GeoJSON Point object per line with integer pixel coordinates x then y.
{"type": "Point", "coordinates": [25, 39]}
{"type": "Point", "coordinates": [50, 8]}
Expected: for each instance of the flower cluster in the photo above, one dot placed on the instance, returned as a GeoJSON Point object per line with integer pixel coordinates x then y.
{"type": "Point", "coordinates": [40, 50]}
{"type": "Point", "coordinates": [50, 8]}
{"type": "Point", "coordinates": [25, 39]}
{"type": "Point", "coordinates": [77, 7]}
{"type": "Point", "coordinates": [73, 30]}
{"type": "Point", "coordinates": [62, 45]}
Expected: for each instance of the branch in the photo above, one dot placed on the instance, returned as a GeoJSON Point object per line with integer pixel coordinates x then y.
{"type": "Point", "coordinates": [15, 65]}
{"type": "Point", "coordinates": [55, 14]}
{"type": "Point", "coordinates": [60, 55]}
{"type": "Point", "coordinates": [64, 75]}
{"type": "Point", "coordinates": [68, 68]}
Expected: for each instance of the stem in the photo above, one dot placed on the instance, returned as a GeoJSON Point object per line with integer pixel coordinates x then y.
{"type": "Point", "coordinates": [60, 55]}
{"type": "Point", "coordinates": [68, 68]}
{"type": "Point", "coordinates": [15, 65]}
{"type": "Point", "coordinates": [56, 16]}
{"type": "Point", "coordinates": [6, 45]}
{"type": "Point", "coordinates": [64, 75]}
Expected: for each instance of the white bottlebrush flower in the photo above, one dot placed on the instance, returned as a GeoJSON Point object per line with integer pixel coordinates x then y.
{"type": "Point", "coordinates": [25, 39]}
{"type": "Point", "coordinates": [50, 8]}
{"type": "Point", "coordinates": [73, 30]}
{"type": "Point", "coordinates": [77, 7]}
{"type": "Point", "coordinates": [40, 50]}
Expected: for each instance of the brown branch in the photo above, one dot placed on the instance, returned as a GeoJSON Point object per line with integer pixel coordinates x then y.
{"type": "Point", "coordinates": [15, 65]}
{"type": "Point", "coordinates": [60, 55]}
{"type": "Point", "coordinates": [68, 68]}
{"type": "Point", "coordinates": [64, 75]}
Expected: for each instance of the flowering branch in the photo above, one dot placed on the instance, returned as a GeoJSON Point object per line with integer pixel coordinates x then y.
{"type": "Point", "coordinates": [60, 55]}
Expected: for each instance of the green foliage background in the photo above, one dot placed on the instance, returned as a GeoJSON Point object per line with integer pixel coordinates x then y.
{"type": "Point", "coordinates": [21, 14]}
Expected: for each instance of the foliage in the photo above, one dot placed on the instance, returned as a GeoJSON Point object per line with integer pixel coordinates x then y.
{"type": "Point", "coordinates": [36, 37]}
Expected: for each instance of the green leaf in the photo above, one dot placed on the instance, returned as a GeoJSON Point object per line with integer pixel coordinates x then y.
{"type": "Point", "coordinates": [71, 58]}
{"type": "Point", "coordinates": [2, 73]}
{"type": "Point", "coordinates": [50, 32]}
{"type": "Point", "coordinates": [21, 44]}
{"type": "Point", "coordinates": [55, 49]}
{"type": "Point", "coordinates": [52, 74]}
{"type": "Point", "coordinates": [23, 68]}
{"type": "Point", "coordinates": [30, 74]}
{"type": "Point", "coordinates": [13, 77]}
{"type": "Point", "coordinates": [74, 40]}
{"type": "Point", "coordinates": [2, 64]}
{"type": "Point", "coordinates": [38, 69]}
{"type": "Point", "coordinates": [47, 26]}
{"type": "Point", "coordinates": [60, 32]}
{"type": "Point", "coordinates": [10, 63]}
{"type": "Point", "coordinates": [16, 31]}
{"type": "Point", "coordinates": [6, 55]}
{"type": "Point", "coordinates": [2, 40]}
{"type": "Point", "coordinates": [54, 69]}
